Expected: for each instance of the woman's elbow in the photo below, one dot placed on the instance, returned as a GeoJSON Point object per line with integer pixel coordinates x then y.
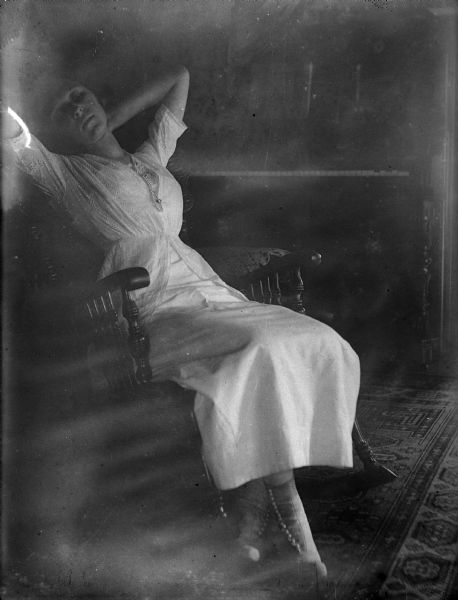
{"type": "Point", "coordinates": [182, 72]}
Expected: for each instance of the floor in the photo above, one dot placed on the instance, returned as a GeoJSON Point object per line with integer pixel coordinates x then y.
{"type": "Point", "coordinates": [108, 498]}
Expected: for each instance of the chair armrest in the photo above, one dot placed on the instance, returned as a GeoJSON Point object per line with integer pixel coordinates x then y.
{"type": "Point", "coordinates": [233, 263]}
{"type": "Point", "coordinates": [130, 279]}
{"type": "Point", "coordinates": [307, 261]}
{"type": "Point", "coordinates": [99, 310]}
{"type": "Point", "coordinates": [281, 280]}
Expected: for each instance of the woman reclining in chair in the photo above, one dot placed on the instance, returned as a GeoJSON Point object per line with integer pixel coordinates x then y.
{"type": "Point", "coordinates": [275, 390]}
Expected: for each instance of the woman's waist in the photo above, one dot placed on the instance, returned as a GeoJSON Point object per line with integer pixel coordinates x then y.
{"type": "Point", "coordinates": [182, 274]}
{"type": "Point", "coordinates": [150, 248]}
{"type": "Point", "coordinates": [148, 251]}
{"type": "Point", "coordinates": [141, 237]}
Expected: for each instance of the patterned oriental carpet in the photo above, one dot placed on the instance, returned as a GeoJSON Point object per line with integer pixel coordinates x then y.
{"type": "Point", "coordinates": [400, 540]}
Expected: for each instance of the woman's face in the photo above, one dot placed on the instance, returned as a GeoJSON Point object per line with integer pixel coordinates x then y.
{"type": "Point", "coordinates": [78, 115]}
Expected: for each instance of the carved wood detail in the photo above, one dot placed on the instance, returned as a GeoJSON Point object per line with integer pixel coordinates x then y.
{"type": "Point", "coordinates": [266, 289]}
{"type": "Point", "coordinates": [429, 342]}
{"type": "Point", "coordinates": [139, 343]}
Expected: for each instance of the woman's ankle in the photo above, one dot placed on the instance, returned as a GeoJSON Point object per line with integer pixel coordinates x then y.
{"type": "Point", "coordinates": [253, 508]}
{"type": "Point", "coordinates": [290, 514]}
{"type": "Point", "coordinates": [277, 479]}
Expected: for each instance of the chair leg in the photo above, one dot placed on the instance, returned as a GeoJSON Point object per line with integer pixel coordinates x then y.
{"type": "Point", "coordinates": [374, 473]}
{"type": "Point", "coordinates": [351, 483]}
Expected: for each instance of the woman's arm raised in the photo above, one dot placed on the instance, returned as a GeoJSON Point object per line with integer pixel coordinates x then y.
{"type": "Point", "coordinates": [170, 88]}
{"type": "Point", "coordinates": [9, 124]}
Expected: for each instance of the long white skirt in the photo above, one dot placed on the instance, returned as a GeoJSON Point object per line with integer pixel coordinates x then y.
{"type": "Point", "coordinates": [275, 390]}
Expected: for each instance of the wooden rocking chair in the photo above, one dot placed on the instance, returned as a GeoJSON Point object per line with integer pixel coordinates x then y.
{"type": "Point", "coordinates": [128, 370]}
{"type": "Point", "coordinates": [125, 350]}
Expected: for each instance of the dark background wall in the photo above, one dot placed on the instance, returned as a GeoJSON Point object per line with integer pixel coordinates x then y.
{"type": "Point", "coordinates": [275, 84]}
{"type": "Point", "coordinates": [287, 86]}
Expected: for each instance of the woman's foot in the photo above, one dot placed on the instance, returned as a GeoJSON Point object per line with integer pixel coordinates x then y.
{"type": "Point", "coordinates": [253, 506]}
{"type": "Point", "coordinates": [289, 511]}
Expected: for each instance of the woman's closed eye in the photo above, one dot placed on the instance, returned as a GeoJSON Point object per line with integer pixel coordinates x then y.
{"type": "Point", "coordinates": [77, 100]}
{"type": "Point", "coordinates": [66, 109]}
{"type": "Point", "coordinates": [77, 96]}
{"type": "Point", "coordinates": [67, 106]}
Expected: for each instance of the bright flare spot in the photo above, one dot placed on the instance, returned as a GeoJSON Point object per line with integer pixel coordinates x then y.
{"type": "Point", "coordinates": [17, 118]}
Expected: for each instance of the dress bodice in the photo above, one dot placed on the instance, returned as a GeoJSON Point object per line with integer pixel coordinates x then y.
{"type": "Point", "coordinates": [113, 205]}
{"type": "Point", "coordinates": [107, 200]}
{"type": "Point", "coordinates": [118, 203]}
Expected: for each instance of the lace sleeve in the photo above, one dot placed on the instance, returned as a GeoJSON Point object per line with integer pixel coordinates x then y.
{"type": "Point", "coordinates": [163, 134]}
{"type": "Point", "coordinates": [45, 167]}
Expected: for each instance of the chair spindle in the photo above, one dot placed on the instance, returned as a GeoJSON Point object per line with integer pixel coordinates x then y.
{"type": "Point", "coordinates": [277, 289]}
{"type": "Point", "coordinates": [138, 341]}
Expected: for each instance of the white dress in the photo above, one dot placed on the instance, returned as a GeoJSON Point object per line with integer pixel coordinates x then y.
{"type": "Point", "coordinates": [275, 390]}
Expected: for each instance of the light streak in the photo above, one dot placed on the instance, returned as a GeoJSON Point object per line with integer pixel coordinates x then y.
{"type": "Point", "coordinates": [309, 89]}
{"type": "Point", "coordinates": [25, 129]}
{"type": "Point", "coordinates": [306, 173]}
{"type": "Point", "coordinates": [358, 86]}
